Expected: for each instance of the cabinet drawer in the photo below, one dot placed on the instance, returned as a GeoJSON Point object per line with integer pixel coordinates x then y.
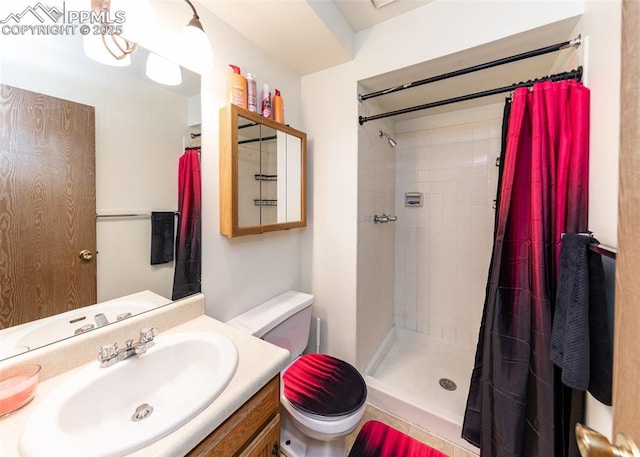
{"type": "Point", "coordinates": [267, 443]}
{"type": "Point", "coordinates": [233, 436]}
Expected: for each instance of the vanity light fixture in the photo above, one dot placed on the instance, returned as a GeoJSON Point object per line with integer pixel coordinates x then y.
{"type": "Point", "coordinates": [195, 20]}
{"type": "Point", "coordinates": [96, 49]}
{"type": "Point", "coordinates": [114, 49]}
{"type": "Point", "coordinates": [380, 3]}
{"type": "Point", "coordinates": [195, 41]}
{"type": "Point", "coordinates": [107, 48]}
{"type": "Point", "coordinates": [163, 70]}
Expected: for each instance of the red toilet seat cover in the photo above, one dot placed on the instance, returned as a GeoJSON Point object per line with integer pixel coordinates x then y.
{"type": "Point", "coordinates": [325, 386]}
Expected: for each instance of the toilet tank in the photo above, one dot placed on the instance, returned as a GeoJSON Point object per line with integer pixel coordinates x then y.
{"type": "Point", "coordinates": [284, 320]}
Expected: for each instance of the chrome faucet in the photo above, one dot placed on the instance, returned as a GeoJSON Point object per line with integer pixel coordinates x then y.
{"type": "Point", "coordinates": [110, 353]}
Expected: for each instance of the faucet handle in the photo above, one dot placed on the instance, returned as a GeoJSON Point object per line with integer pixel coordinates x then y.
{"type": "Point", "coordinates": [84, 329]}
{"type": "Point", "coordinates": [146, 340]}
{"type": "Point", "coordinates": [108, 352]}
{"type": "Point", "coordinates": [148, 334]}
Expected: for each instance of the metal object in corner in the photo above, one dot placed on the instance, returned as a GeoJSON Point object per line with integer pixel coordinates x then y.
{"type": "Point", "coordinates": [592, 444]}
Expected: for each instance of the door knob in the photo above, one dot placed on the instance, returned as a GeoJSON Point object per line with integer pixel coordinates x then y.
{"type": "Point", "coordinates": [594, 444]}
{"type": "Point", "coordinates": [86, 255]}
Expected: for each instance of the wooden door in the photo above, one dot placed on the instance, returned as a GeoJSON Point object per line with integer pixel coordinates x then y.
{"type": "Point", "coordinates": [47, 205]}
{"type": "Point", "coordinates": [626, 376]}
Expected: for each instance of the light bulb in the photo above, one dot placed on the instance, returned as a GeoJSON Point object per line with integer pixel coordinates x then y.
{"type": "Point", "coordinates": [163, 71]}
{"type": "Point", "coordinates": [195, 44]}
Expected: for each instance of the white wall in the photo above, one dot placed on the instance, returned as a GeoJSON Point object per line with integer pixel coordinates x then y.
{"type": "Point", "coordinates": [240, 273]}
{"type": "Point", "coordinates": [376, 185]}
{"type": "Point", "coordinates": [600, 26]}
{"type": "Point", "coordinates": [330, 118]}
{"type": "Point", "coordinates": [330, 114]}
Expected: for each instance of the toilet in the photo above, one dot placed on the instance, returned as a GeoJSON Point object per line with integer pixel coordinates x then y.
{"type": "Point", "coordinates": [323, 398]}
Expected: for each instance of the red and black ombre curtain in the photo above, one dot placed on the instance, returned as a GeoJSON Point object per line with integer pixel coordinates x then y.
{"type": "Point", "coordinates": [186, 279]}
{"type": "Point", "coordinates": [517, 405]}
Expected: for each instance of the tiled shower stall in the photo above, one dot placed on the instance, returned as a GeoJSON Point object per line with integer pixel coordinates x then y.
{"type": "Point", "coordinates": [422, 278]}
{"type": "Point", "coordinates": [443, 248]}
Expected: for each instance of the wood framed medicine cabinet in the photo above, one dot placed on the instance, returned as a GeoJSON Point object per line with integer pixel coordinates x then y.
{"type": "Point", "coordinates": [262, 174]}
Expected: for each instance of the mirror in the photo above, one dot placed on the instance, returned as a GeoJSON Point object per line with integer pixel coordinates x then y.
{"type": "Point", "coordinates": [262, 174]}
{"type": "Point", "coordinates": [141, 130]}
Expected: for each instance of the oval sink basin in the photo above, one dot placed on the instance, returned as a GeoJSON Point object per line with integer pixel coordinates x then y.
{"type": "Point", "coordinates": [119, 409]}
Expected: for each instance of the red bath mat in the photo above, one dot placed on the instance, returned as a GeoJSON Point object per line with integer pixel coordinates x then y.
{"type": "Point", "coordinates": [379, 440]}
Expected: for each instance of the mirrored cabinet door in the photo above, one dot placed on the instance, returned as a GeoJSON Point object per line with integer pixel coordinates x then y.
{"type": "Point", "coordinates": [268, 175]}
{"type": "Point", "coordinates": [248, 161]}
{"type": "Point", "coordinates": [262, 174]}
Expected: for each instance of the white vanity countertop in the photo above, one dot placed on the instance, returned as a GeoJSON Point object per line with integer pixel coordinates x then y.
{"type": "Point", "coordinates": [258, 363]}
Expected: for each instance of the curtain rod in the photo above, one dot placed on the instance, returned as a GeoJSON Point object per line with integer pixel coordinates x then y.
{"type": "Point", "coordinates": [494, 63]}
{"type": "Point", "coordinates": [574, 74]}
{"type": "Point", "coordinates": [596, 247]}
{"type": "Point", "coordinates": [603, 250]}
{"type": "Point", "coordinates": [100, 216]}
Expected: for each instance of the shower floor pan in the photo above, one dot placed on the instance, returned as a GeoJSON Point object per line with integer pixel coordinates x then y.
{"type": "Point", "coordinates": [405, 379]}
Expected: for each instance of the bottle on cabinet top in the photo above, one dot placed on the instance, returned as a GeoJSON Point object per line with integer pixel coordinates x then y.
{"type": "Point", "coordinates": [277, 104]}
{"type": "Point", "coordinates": [252, 93]}
{"type": "Point", "coordinates": [266, 101]}
{"type": "Point", "coordinates": [237, 87]}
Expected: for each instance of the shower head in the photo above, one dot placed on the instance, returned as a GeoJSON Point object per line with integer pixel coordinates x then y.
{"type": "Point", "coordinates": [393, 143]}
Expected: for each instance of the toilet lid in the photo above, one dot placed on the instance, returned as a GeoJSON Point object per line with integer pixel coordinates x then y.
{"type": "Point", "coordinates": [324, 386]}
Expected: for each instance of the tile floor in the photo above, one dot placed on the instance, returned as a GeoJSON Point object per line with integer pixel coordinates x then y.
{"type": "Point", "coordinates": [424, 436]}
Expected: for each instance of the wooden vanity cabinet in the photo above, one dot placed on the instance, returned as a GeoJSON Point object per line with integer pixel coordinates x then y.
{"type": "Point", "coordinates": [252, 431]}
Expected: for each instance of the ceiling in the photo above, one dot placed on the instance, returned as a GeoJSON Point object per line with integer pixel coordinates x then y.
{"type": "Point", "coordinates": [327, 27]}
{"type": "Point", "coordinates": [486, 79]}
{"type": "Point", "coordinates": [361, 14]}
{"type": "Point", "coordinates": [306, 35]}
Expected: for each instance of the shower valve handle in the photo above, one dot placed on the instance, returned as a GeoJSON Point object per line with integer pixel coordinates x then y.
{"type": "Point", "coordinates": [384, 218]}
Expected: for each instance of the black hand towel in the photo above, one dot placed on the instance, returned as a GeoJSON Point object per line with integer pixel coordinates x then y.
{"type": "Point", "coordinates": [162, 233]}
{"type": "Point", "coordinates": [580, 339]}
{"type": "Point", "coordinates": [600, 337]}
{"type": "Point", "coordinates": [570, 330]}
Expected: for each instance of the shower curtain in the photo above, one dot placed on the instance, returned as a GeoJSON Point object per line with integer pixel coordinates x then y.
{"type": "Point", "coordinates": [517, 405]}
{"type": "Point", "coordinates": [186, 280]}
